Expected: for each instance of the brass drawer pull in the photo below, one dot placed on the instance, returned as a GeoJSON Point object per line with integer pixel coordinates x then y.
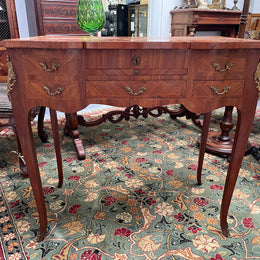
{"type": "Point", "coordinates": [130, 91]}
{"type": "Point", "coordinates": [215, 90]}
{"type": "Point", "coordinates": [45, 67]}
{"type": "Point", "coordinates": [56, 92]}
{"type": "Point", "coordinates": [218, 67]}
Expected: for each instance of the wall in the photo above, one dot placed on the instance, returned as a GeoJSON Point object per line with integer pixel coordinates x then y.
{"type": "Point", "coordinates": [26, 18]}
{"type": "Point", "coordinates": [159, 18]}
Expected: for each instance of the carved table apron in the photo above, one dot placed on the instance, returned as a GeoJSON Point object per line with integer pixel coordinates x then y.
{"type": "Point", "coordinates": [68, 73]}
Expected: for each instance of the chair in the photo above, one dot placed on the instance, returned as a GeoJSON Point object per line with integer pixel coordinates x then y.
{"type": "Point", "coordinates": [7, 121]}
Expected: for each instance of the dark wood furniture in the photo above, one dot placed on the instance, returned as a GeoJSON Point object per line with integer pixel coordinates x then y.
{"type": "Point", "coordinates": [57, 17]}
{"type": "Point", "coordinates": [188, 21]}
{"type": "Point", "coordinates": [68, 73]}
{"type": "Point", "coordinates": [8, 29]}
{"type": "Point", "coordinates": [7, 121]}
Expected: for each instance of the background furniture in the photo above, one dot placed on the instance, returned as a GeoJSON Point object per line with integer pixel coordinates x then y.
{"type": "Point", "coordinates": [120, 19]}
{"type": "Point", "coordinates": [8, 29]}
{"type": "Point", "coordinates": [7, 121]}
{"type": "Point", "coordinates": [57, 17]}
{"type": "Point", "coordinates": [188, 21]}
{"type": "Point", "coordinates": [176, 65]}
{"type": "Point", "coordinates": [137, 20]}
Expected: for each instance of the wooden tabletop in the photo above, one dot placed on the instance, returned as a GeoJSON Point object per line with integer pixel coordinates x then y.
{"type": "Point", "coordinates": [87, 42]}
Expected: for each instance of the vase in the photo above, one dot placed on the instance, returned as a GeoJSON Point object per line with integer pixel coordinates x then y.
{"type": "Point", "coordinates": [91, 16]}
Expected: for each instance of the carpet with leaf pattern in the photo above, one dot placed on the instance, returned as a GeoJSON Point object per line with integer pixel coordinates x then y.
{"type": "Point", "coordinates": [133, 197]}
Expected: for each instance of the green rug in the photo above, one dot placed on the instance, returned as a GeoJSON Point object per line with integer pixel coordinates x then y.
{"type": "Point", "coordinates": [134, 197]}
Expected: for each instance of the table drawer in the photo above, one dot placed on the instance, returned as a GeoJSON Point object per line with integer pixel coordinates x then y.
{"type": "Point", "coordinates": [218, 89]}
{"type": "Point", "coordinates": [137, 59]}
{"type": "Point", "coordinates": [142, 89]}
{"type": "Point", "coordinates": [219, 64]}
{"type": "Point", "coordinates": [50, 73]}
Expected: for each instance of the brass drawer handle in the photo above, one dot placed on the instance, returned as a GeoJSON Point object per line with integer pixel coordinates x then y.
{"type": "Point", "coordinates": [56, 92]}
{"type": "Point", "coordinates": [130, 91]}
{"type": "Point", "coordinates": [218, 67]}
{"type": "Point", "coordinates": [45, 67]}
{"type": "Point", "coordinates": [215, 90]}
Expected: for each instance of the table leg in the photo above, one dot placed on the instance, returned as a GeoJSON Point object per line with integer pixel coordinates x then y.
{"type": "Point", "coordinates": [238, 151]}
{"type": "Point", "coordinates": [204, 136]}
{"type": "Point", "coordinates": [56, 138]}
{"type": "Point", "coordinates": [23, 125]}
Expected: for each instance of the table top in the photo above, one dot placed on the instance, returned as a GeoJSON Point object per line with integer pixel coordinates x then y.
{"type": "Point", "coordinates": [87, 42]}
{"type": "Point", "coordinates": [201, 10]}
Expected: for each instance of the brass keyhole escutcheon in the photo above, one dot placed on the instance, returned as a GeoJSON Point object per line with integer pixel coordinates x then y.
{"type": "Point", "coordinates": [136, 60]}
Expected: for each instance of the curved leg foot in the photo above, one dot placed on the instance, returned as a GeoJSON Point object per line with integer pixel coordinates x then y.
{"type": "Point", "coordinates": [79, 149]}
{"type": "Point", "coordinates": [71, 129]}
{"type": "Point", "coordinates": [224, 227]}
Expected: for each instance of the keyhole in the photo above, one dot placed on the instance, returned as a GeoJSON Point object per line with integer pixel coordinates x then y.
{"type": "Point", "coordinates": [136, 60]}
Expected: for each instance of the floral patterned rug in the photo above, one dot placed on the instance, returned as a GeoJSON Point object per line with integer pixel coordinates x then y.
{"type": "Point", "coordinates": [133, 197]}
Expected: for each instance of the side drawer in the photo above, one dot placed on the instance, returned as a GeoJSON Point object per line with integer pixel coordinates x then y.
{"type": "Point", "coordinates": [218, 89]}
{"type": "Point", "coordinates": [142, 89]}
{"type": "Point", "coordinates": [219, 64]}
{"type": "Point", "coordinates": [52, 73]}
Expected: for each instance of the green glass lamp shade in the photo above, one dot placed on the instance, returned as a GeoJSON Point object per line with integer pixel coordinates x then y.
{"type": "Point", "coordinates": [91, 16]}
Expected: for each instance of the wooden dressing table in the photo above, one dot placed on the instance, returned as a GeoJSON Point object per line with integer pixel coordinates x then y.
{"type": "Point", "coordinates": [68, 73]}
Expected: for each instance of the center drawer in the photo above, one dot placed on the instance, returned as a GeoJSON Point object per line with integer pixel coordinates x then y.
{"type": "Point", "coordinates": [149, 59]}
{"type": "Point", "coordinates": [142, 89]}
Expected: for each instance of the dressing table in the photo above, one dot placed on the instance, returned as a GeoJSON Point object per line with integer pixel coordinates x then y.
{"type": "Point", "coordinates": [67, 73]}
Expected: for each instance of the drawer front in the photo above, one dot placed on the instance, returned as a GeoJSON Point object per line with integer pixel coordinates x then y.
{"type": "Point", "coordinates": [137, 59]}
{"type": "Point", "coordinates": [137, 89]}
{"type": "Point", "coordinates": [221, 64]}
{"type": "Point", "coordinates": [218, 89]}
{"type": "Point", "coordinates": [216, 18]}
{"type": "Point", "coordinates": [52, 73]}
{"type": "Point", "coordinates": [64, 26]}
{"type": "Point", "coordinates": [59, 10]}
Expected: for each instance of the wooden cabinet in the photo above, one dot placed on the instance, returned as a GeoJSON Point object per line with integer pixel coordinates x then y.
{"type": "Point", "coordinates": [188, 21]}
{"type": "Point", "coordinates": [137, 20]}
{"type": "Point", "coordinates": [4, 34]}
{"type": "Point", "coordinates": [57, 17]}
{"type": "Point", "coordinates": [8, 29]}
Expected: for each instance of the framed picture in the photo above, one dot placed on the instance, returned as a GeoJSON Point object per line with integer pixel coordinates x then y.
{"type": "Point", "coordinates": [191, 3]}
